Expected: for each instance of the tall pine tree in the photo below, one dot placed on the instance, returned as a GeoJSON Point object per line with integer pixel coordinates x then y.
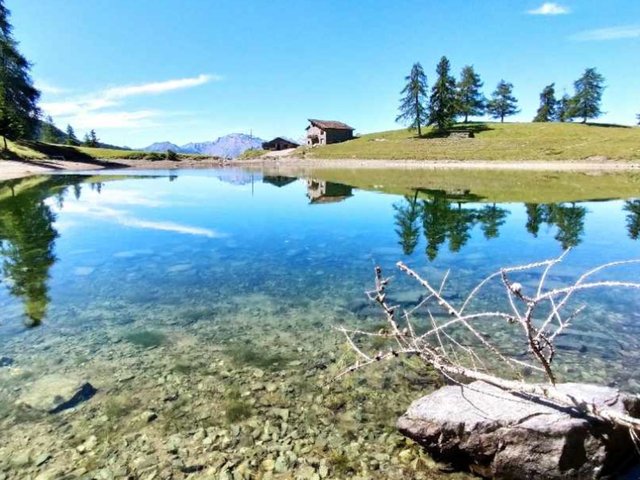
{"type": "Point", "coordinates": [413, 111]}
{"type": "Point", "coordinates": [502, 103]}
{"type": "Point", "coordinates": [443, 99]}
{"type": "Point", "coordinates": [71, 136]}
{"type": "Point", "coordinates": [585, 104]}
{"type": "Point", "coordinates": [18, 97]}
{"type": "Point", "coordinates": [547, 112]}
{"type": "Point", "coordinates": [563, 110]}
{"type": "Point", "coordinates": [471, 101]}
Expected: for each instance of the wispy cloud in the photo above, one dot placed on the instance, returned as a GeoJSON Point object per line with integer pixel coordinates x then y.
{"type": "Point", "coordinates": [88, 111]}
{"type": "Point", "coordinates": [549, 8]}
{"type": "Point", "coordinates": [96, 207]}
{"type": "Point", "coordinates": [47, 88]}
{"type": "Point", "coordinates": [155, 88]}
{"type": "Point", "coordinates": [116, 119]}
{"type": "Point", "coordinates": [609, 33]}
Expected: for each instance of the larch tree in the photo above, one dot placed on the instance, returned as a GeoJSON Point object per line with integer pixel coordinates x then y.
{"type": "Point", "coordinates": [71, 136]}
{"type": "Point", "coordinates": [547, 112]}
{"type": "Point", "coordinates": [18, 97]}
{"type": "Point", "coordinates": [413, 110]}
{"type": "Point", "coordinates": [585, 104]}
{"type": "Point", "coordinates": [48, 131]}
{"type": "Point", "coordinates": [471, 101]}
{"type": "Point", "coordinates": [443, 100]}
{"type": "Point", "coordinates": [563, 109]}
{"type": "Point", "coordinates": [502, 103]}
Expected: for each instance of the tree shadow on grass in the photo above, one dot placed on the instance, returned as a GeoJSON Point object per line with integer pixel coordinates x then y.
{"type": "Point", "coordinates": [606, 125]}
{"type": "Point", "coordinates": [64, 152]}
{"type": "Point", "coordinates": [472, 127]}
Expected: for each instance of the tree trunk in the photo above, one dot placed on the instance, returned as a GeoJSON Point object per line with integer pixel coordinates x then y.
{"type": "Point", "coordinates": [419, 131]}
{"type": "Point", "coordinates": [502, 118]}
{"type": "Point", "coordinates": [5, 143]}
{"type": "Point", "coordinates": [466, 118]}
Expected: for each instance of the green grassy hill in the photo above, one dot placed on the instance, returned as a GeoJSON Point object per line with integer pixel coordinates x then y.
{"type": "Point", "coordinates": [495, 141]}
{"type": "Point", "coordinates": [27, 150]}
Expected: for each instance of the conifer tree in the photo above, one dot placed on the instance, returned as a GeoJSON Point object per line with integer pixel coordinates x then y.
{"type": "Point", "coordinates": [443, 100]}
{"type": "Point", "coordinates": [48, 132]}
{"type": "Point", "coordinates": [471, 101]}
{"type": "Point", "coordinates": [563, 110]}
{"type": "Point", "coordinates": [71, 136]}
{"type": "Point", "coordinates": [18, 97]}
{"type": "Point", "coordinates": [502, 103]}
{"type": "Point", "coordinates": [91, 139]}
{"type": "Point", "coordinates": [547, 112]}
{"type": "Point", "coordinates": [585, 104]}
{"type": "Point", "coordinates": [413, 111]}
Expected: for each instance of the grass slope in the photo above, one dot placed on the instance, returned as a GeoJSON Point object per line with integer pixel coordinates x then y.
{"type": "Point", "coordinates": [495, 141]}
{"type": "Point", "coordinates": [40, 151]}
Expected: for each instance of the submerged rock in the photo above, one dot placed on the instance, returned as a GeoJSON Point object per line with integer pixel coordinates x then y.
{"type": "Point", "coordinates": [6, 361]}
{"type": "Point", "coordinates": [55, 393]}
{"type": "Point", "coordinates": [500, 435]}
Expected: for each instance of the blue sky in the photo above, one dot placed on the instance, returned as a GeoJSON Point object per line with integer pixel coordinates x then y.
{"type": "Point", "coordinates": [154, 70]}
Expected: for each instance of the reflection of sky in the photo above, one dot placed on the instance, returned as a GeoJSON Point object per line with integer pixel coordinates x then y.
{"type": "Point", "coordinates": [260, 216]}
{"type": "Point", "coordinates": [242, 235]}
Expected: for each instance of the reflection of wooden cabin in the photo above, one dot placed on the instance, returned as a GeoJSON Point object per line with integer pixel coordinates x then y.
{"type": "Point", "coordinates": [278, 180]}
{"type": "Point", "coordinates": [320, 191]}
{"type": "Point", "coordinates": [279, 143]}
{"type": "Point", "coordinates": [324, 132]}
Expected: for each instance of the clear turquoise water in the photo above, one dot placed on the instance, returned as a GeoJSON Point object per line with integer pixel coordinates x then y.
{"type": "Point", "coordinates": [231, 257]}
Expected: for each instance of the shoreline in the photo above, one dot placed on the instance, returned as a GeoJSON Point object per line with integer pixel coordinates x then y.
{"type": "Point", "coordinates": [13, 169]}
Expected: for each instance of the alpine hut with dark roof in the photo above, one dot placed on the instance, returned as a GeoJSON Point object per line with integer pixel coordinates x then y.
{"type": "Point", "coordinates": [324, 132]}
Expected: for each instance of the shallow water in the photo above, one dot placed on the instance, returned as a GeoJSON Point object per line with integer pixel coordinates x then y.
{"type": "Point", "coordinates": [208, 297]}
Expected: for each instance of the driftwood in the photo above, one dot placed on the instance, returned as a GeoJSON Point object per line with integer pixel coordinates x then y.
{"type": "Point", "coordinates": [540, 315]}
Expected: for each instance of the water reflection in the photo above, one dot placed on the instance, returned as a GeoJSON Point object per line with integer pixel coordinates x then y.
{"type": "Point", "coordinates": [438, 218]}
{"type": "Point", "coordinates": [27, 241]}
{"type": "Point", "coordinates": [321, 191]}
{"type": "Point", "coordinates": [444, 218]}
{"type": "Point", "coordinates": [633, 218]}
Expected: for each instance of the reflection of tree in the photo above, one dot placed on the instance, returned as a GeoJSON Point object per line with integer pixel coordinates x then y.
{"type": "Point", "coordinates": [491, 218]}
{"type": "Point", "coordinates": [435, 216]}
{"type": "Point", "coordinates": [536, 216]}
{"type": "Point", "coordinates": [570, 223]}
{"type": "Point", "coordinates": [460, 222]}
{"type": "Point", "coordinates": [633, 218]}
{"type": "Point", "coordinates": [406, 219]}
{"type": "Point", "coordinates": [568, 219]}
{"type": "Point", "coordinates": [26, 244]}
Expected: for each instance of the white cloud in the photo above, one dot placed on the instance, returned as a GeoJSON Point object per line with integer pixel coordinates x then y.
{"type": "Point", "coordinates": [47, 88]}
{"type": "Point", "coordinates": [610, 33]}
{"type": "Point", "coordinates": [116, 119]}
{"type": "Point", "coordinates": [549, 8]}
{"type": "Point", "coordinates": [87, 111]}
{"type": "Point", "coordinates": [155, 88]}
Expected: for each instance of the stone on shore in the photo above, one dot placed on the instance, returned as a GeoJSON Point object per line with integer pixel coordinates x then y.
{"type": "Point", "coordinates": [500, 435]}
{"type": "Point", "coordinates": [55, 393]}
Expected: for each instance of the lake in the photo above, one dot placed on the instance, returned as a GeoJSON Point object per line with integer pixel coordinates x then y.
{"type": "Point", "coordinates": [201, 304]}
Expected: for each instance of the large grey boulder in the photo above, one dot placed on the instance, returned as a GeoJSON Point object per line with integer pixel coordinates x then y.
{"type": "Point", "coordinates": [500, 435]}
{"type": "Point", "coordinates": [55, 393]}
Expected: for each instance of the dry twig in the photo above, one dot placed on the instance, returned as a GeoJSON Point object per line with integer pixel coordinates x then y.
{"type": "Point", "coordinates": [539, 315]}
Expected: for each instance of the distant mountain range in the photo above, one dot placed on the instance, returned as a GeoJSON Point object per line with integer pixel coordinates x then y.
{"type": "Point", "coordinates": [228, 146]}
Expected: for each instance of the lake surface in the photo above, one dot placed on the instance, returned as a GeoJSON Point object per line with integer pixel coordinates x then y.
{"type": "Point", "coordinates": [200, 305]}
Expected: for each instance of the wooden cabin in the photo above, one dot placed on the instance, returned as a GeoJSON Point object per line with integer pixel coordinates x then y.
{"type": "Point", "coordinates": [324, 132]}
{"type": "Point", "coordinates": [279, 143]}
